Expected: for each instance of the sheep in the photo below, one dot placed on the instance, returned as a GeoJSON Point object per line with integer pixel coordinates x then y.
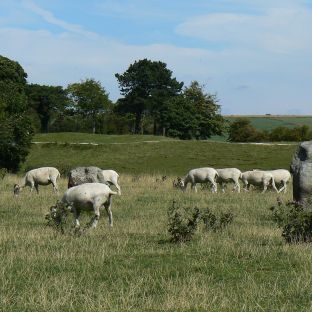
{"type": "Point", "coordinates": [258, 178]}
{"type": "Point", "coordinates": [226, 175]}
{"type": "Point", "coordinates": [82, 175]}
{"type": "Point", "coordinates": [281, 177]}
{"type": "Point", "coordinates": [177, 183]}
{"type": "Point", "coordinates": [111, 176]}
{"type": "Point", "coordinates": [200, 175]}
{"type": "Point", "coordinates": [39, 176]}
{"type": "Point", "coordinates": [89, 196]}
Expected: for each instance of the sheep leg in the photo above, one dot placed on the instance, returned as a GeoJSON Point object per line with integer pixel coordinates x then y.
{"type": "Point", "coordinates": [55, 188]}
{"type": "Point", "coordinates": [76, 216]}
{"type": "Point", "coordinates": [237, 187]}
{"type": "Point", "coordinates": [37, 187]}
{"type": "Point", "coordinates": [265, 187]}
{"type": "Point", "coordinates": [96, 207]}
{"type": "Point", "coordinates": [283, 187]}
{"type": "Point", "coordinates": [214, 187]}
{"type": "Point", "coordinates": [107, 206]}
{"type": "Point", "coordinates": [194, 187]}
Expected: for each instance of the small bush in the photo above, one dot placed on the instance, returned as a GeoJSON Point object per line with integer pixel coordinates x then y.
{"type": "Point", "coordinates": [214, 223]}
{"type": "Point", "coordinates": [296, 223]}
{"type": "Point", "coordinates": [183, 223]}
{"type": "Point", "coordinates": [58, 217]}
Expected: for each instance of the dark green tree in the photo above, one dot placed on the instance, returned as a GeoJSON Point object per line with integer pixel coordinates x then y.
{"type": "Point", "coordinates": [47, 102]}
{"type": "Point", "coordinates": [89, 98]}
{"type": "Point", "coordinates": [241, 130]}
{"type": "Point", "coordinates": [209, 120]}
{"type": "Point", "coordinates": [146, 86]}
{"type": "Point", "coordinates": [15, 127]}
{"type": "Point", "coordinates": [179, 118]}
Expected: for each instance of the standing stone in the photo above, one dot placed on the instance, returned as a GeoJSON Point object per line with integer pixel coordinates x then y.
{"type": "Point", "coordinates": [301, 168]}
{"type": "Point", "coordinates": [82, 175]}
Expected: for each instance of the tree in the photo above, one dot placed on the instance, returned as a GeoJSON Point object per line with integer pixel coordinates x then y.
{"type": "Point", "coordinates": [146, 87]}
{"type": "Point", "coordinates": [210, 122]}
{"type": "Point", "coordinates": [179, 118]}
{"type": "Point", "coordinates": [47, 101]}
{"type": "Point", "coordinates": [89, 98]}
{"type": "Point", "coordinates": [15, 126]}
{"type": "Point", "coordinates": [241, 130]}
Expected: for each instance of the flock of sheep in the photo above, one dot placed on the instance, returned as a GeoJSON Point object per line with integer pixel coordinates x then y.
{"type": "Point", "coordinates": [89, 187]}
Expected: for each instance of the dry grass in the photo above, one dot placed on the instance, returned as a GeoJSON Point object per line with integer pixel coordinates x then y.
{"type": "Point", "coordinates": [132, 267]}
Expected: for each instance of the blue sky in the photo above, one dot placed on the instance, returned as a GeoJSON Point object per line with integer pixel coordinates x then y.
{"type": "Point", "coordinates": [254, 54]}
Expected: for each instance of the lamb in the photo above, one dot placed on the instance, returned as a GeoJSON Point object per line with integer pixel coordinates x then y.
{"type": "Point", "coordinates": [227, 175]}
{"type": "Point", "coordinates": [200, 175]}
{"type": "Point", "coordinates": [39, 176]}
{"type": "Point", "coordinates": [82, 175]}
{"type": "Point", "coordinates": [89, 196]}
{"type": "Point", "coordinates": [281, 177]}
{"type": "Point", "coordinates": [258, 178]}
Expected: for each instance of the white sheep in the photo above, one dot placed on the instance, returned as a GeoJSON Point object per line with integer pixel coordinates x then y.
{"type": "Point", "coordinates": [281, 177]}
{"type": "Point", "coordinates": [111, 176]}
{"type": "Point", "coordinates": [200, 175]}
{"type": "Point", "coordinates": [227, 175]}
{"type": "Point", "coordinates": [258, 178]}
{"type": "Point", "coordinates": [89, 196]}
{"type": "Point", "coordinates": [39, 176]}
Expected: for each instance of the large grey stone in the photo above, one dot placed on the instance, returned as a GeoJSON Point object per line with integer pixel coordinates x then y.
{"type": "Point", "coordinates": [301, 168]}
{"type": "Point", "coordinates": [82, 175]}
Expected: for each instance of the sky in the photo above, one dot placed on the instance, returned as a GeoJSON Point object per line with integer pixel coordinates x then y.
{"type": "Point", "coordinates": [255, 55]}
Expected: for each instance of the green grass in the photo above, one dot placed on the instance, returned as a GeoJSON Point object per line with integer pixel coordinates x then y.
{"type": "Point", "coordinates": [271, 122]}
{"type": "Point", "coordinates": [133, 267]}
{"type": "Point", "coordinates": [75, 137]}
{"type": "Point", "coordinates": [165, 157]}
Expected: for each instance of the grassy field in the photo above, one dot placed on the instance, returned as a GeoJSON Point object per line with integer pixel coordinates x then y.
{"type": "Point", "coordinates": [73, 137]}
{"type": "Point", "coordinates": [133, 266]}
{"type": "Point", "coordinates": [164, 157]}
{"type": "Point", "coordinates": [269, 122]}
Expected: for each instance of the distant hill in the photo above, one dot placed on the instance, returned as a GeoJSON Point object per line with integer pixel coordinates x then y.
{"type": "Point", "coordinates": [269, 122]}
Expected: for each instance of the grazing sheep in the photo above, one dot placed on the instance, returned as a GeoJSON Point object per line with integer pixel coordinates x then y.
{"type": "Point", "coordinates": [227, 175]}
{"type": "Point", "coordinates": [111, 176]}
{"type": "Point", "coordinates": [82, 175]}
{"type": "Point", "coordinates": [89, 196]}
{"type": "Point", "coordinates": [177, 183]}
{"type": "Point", "coordinates": [39, 176]}
{"type": "Point", "coordinates": [200, 175]}
{"type": "Point", "coordinates": [258, 178]}
{"type": "Point", "coordinates": [281, 177]}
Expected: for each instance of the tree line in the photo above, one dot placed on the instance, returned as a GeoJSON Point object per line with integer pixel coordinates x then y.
{"type": "Point", "coordinates": [241, 130]}
{"type": "Point", "coordinates": [152, 102]}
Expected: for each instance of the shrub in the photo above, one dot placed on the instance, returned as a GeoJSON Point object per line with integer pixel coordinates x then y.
{"type": "Point", "coordinates": [296, 223]}
{"type": "Point", "coordinates": [58, 217]}
{"type": "Point", "coordinates": [216, 223]}
{"type": "Point", "coordinates": [183, 223]}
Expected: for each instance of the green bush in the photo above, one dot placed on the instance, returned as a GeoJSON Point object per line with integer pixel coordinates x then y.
{"type": "Point", "coordinates": [183, 223]}
{"type": "Point", "coordinates": [296, 223]}
{"type": "Point", "coordinates": [216, 223]}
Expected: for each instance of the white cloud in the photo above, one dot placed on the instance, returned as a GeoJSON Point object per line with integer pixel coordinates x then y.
{"type": "Point", "coordinates": [280, 30]}
{"type": "Point", "coordinates": [246, 75]}
{"type": "Point", "coordinates": [51, 19]}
